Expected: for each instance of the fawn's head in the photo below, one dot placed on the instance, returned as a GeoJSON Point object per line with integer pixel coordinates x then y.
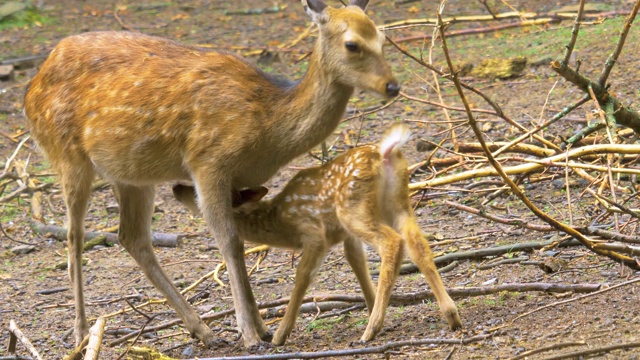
{"type": "Point", "coordinates": [351, 46]}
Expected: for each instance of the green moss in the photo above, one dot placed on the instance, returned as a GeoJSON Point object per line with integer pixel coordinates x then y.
{"type": "Point", "coordinates": [27, 17]}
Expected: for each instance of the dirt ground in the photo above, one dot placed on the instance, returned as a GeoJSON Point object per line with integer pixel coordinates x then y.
{"type": "Point", "coordinates": [111, 275]}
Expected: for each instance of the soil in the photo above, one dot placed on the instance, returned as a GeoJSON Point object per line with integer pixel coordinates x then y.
{"type": "Point", "coordinates": [110, 274]}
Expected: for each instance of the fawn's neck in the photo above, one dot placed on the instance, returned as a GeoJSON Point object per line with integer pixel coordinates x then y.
{"type": "Point", "coordinates": [263, 224]}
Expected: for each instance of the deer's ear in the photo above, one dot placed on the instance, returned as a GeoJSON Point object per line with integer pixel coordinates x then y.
{"type": "Point", "coordinates": [362, 4]}
{"type": "Point", "coordinates": [315, 10]}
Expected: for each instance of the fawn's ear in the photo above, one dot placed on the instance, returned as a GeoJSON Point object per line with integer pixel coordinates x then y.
{"type": "Point", "coordinates": [248, 195]}
{"type": "Point", "coordinates": [315, 10]}
{"type": "Point", "coordinates": [362, 4]}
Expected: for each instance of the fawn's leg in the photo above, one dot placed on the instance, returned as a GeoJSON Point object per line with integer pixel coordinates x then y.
{"type": "Point", "coordinates": [361, 225]}
{"type": "Point", "coordinates": [420, 253]}
{"type": "Point", "coordinates": [214, 196]}
{"type": "Point", "coordinates": [355, 254]}
{"type": "Point", "coordinates": [313, 255]}
{"type": "Point", "coordinates": [136, 210]}
{"type": "Point", "coordinates": [76, 186]}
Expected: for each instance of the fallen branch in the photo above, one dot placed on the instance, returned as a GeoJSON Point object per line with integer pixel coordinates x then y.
{"type": "Point", "coordinates": [598, 350]}
{"type": "Point", "coordinates": [60, 233]}
{"type": "Point", "coordinates": [548, 348]}
{"type": "Point", "coordinates": [396, 299]}
{"type": "Point", "coordinates": [78, 352]}
{"type": "Point", "coordinates": [500, 16]}
{"type": "Point", "coordinates": [493, 251]}
{"type": "Point", "coordinates": [611, 235]}
{"type": "Point", "coordinates": [598, 149]}
{"type": "Point", "coordinates": [381, 349]}
{"type": "Point", "coordinates": [575, 299]}
{"type": "Point", "coordinates": [623, 114]}
{"type": "Point", "coordinates": [16, 333]}
{"type": "Point", "coordinates": [484, 30]}
{"type": "Point", "coordinates": [515, 260]}
{"type": "Point", "coordinates": [96, 332]}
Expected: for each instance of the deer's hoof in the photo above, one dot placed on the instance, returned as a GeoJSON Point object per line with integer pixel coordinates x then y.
{"type": "Point", "coordinates": [267, 336]}
{"type": "Point", "coordinates": [453, 319]}
{"type": "Point", "coordinates": [260, 347]}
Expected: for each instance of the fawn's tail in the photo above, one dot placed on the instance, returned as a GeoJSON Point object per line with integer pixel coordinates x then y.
{"type": "Point", "coordinates": [397, 136]}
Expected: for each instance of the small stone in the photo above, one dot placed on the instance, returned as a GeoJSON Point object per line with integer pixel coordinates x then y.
{"type": "Point", "coordinates": [188, 352]}
{"type": "Point", "coordinates": [23, 249]}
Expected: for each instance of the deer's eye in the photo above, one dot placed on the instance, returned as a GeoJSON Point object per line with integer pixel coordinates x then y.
{"type": "Point", "coordinates": [351, 46]}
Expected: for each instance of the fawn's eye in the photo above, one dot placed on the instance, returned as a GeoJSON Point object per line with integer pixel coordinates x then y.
{"type": "Point", "coordinates": [351, 46]}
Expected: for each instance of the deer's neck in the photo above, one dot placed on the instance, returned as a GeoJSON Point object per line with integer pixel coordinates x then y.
{"type": "Point", "coordinates": [311, 110]}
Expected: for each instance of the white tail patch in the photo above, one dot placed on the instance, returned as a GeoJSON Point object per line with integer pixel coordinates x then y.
{"type": "Point", "coordinates": [397, 136]}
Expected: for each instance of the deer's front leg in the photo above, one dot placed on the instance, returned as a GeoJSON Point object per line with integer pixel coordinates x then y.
{"type": "Point", "coordinates": [355, 255]}
{"type": "Point", "coordinates": [313, 255]}
{"type": "Point", "coordinates": [214, 196]}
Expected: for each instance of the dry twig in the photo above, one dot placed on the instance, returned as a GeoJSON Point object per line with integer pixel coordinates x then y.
{"type": "Point", "coordinates": [19, 335]}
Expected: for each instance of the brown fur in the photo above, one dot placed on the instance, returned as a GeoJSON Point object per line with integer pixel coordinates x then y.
{"type": "Point", "coordinates": [140, 110]}
{"type": "Point", "coordinates": [358, 197]}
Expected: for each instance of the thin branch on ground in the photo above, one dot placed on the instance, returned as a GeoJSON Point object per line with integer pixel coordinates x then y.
{"type": "Point", "coordinates": [633, 281]}
{"type": "Point", "coordinates": [16, 333]}
{"type": "Point", "coordinates": [597, 350]}
{"type": "Point", "coordinates": [381, 349]}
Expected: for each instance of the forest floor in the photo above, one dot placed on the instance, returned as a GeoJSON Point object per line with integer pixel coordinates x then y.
{"type": "Point", "coordinates": [492, 322]}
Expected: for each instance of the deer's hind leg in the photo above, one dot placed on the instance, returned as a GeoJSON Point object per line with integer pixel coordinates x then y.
{"type": "Point", "coordinates": [420, 253]}
{"type": "Point", "coordinates": [76, 186]}
{"type": "Point", "coordinates": [362, 224]}
{"type": "Point", "coordinates": [136, 210]}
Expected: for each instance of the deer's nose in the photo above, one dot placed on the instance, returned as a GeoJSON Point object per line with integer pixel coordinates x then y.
{"type": "Point", "coordinates": [393, 89]}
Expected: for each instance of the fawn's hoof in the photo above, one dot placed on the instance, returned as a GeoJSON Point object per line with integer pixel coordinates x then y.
{"type": "Point", "coordinates": [279, 339]}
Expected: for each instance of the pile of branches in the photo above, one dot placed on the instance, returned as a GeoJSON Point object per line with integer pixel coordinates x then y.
{"type": "Point", "coordinates": [604, 155]}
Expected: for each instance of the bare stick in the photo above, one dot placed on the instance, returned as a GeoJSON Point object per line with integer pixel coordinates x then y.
{"type": "Point", "coordinates": [13, 328]}
{"type": "Point", "coordinates": [95, 339]}
{"type": "Point", "coordinates": [574, 34]}
{"type": "Point", "coordinates": [115, 14]}
{"type": "Point", "coordinates": [592, 230]}
{"type": "Point", "coordinates": [616, 53]}
{"type": "Point", "coordinates": [632, 212]}
{"type": "Point", "coordinates": [539, 127]}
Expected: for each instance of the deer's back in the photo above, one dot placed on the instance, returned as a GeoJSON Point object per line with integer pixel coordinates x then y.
{"type": "Point", "coordinates": [138, 105]}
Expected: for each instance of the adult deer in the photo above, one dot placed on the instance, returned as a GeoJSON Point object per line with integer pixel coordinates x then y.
{"type": "Point", "coordinates": [139, 110]}
{"type": "Point", "coordinates": [361, 196]}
